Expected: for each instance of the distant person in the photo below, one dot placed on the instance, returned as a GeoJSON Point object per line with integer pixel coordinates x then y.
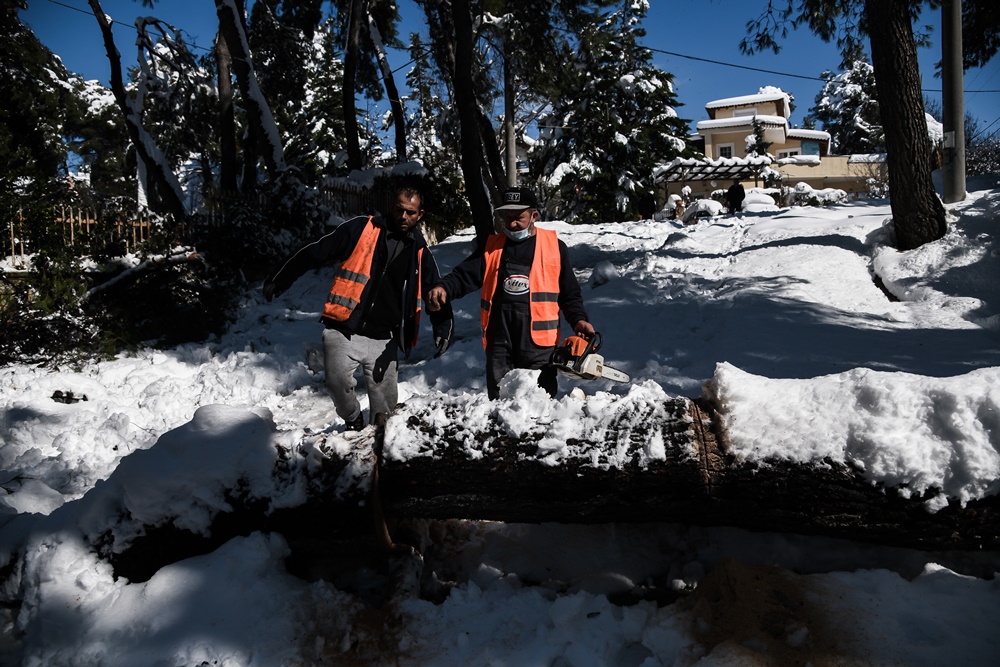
{"type": "Point", "coordinates": [675, 204]}
{"type": "Point", "coordinates": [525, 280]}
{"type": "Point", "coordinates": [735, 196]}
{"type": "Point", "coordinates": [647, 206]}
{"type": "Point", "coordinates": [381, 267]}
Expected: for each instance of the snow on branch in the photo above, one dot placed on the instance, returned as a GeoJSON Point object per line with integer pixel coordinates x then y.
{"type": "Point", "coordinates": [179, 256]}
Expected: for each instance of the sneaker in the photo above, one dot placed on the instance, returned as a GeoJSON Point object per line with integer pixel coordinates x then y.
{"type": "Point", "coordinates": [355, 424]}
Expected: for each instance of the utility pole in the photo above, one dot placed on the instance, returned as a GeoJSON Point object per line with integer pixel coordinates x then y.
{"type": "Point", "coordinates": [952, 77]}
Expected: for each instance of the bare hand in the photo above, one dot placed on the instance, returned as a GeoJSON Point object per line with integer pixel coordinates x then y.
{"type": "Point", "coordinates": [584, 328]}
{"type": "Point", "coordinates": [436, 298]}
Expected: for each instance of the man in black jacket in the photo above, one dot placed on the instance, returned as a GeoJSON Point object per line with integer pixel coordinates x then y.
{"type": "Point", "coordinates": [735, 196]}
{"type": "Point", "coordinates": [526, 280]}
{"type": "Point", "coordinates": [382, 267]}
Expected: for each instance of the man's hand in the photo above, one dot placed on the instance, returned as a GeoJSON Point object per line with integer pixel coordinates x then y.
{"type": "Point", "coordinates": [584, 328]}
{"type": "Point", "coordinates": [436, 298]}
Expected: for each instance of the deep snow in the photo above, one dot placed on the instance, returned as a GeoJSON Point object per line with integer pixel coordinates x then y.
{"type": "Point", "coordinates": [775, 315]}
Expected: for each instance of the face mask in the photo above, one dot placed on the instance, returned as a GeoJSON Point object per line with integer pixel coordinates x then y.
{"type": "Point", "coordinates": [518, 235]}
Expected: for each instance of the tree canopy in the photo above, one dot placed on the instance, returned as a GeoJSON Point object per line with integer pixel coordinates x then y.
{"type": "Point", "coordinates": [847, 108]}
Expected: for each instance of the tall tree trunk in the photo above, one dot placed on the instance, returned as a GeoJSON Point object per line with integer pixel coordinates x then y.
{"type": "Point", "coordinates": [352, 54]}
{"type": "Point", "coordinates": [468, 115]}
{"type": "Point", "coordinates": [164, 180]}
{"type": "Point", "coordinates": [227, 119]}
{"type": "Point", "coordinates": [495, 177]}
{"type": "Point", "coordinates": [395, 104]}
{"type": "Point", "coordinates": [259, 118]}
{"type": "Point", "coordinates": [509, 134]}
{"type": "Point", "coordinates": [917, 213]}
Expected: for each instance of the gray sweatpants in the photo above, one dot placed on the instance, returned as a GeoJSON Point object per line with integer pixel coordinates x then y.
{"type": "Point", "coordinates": [342, 355]}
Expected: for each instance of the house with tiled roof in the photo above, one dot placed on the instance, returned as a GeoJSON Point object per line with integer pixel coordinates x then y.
{"type": "Point", "coordinates": [800, 155]}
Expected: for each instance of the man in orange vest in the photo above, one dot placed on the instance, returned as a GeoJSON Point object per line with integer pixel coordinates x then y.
{"type": "Point", "coordinates": [525, 279]}
{"type": "Point", "coordinates": [382, 267]}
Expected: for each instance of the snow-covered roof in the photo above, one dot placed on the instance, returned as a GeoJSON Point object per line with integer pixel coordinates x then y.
{"type": "Point", "coordinates": [798, 133]}
{"type": "Point", "coordinates": [807, 160]}
{"type": "Point", "coordinates": [703, 169]}
{"type": "Point", "coordinates": [741, 121]}
{"type": "Point", "coordinates": [866, 157]}
{"type": "Point", "coordinates": [748, 99]}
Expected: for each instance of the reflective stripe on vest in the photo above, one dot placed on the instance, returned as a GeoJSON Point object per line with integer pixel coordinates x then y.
{"type": "Point", "coordinates": [351, 276]}
{"type": "Point", "coordinates": [544, 285]}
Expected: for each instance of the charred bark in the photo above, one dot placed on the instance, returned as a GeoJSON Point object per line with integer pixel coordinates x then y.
{"type": "Point", "coordinates": [696, 483]}
{"type": "Point", "coordinates": [354, 499]}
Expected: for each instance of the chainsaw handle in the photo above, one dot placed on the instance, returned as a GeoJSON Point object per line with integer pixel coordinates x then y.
{"type": "Point", "coordinates": [594, 342]}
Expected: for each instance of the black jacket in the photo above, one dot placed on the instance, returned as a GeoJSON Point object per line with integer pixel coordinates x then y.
{"type": "Point", "coordinates": [338, 245]}
{"type": "Point", "coordinates": [468, 276]}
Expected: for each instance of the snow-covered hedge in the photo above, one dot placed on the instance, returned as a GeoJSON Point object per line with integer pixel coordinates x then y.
{"type": "Point", "coordinates": [805, 195]}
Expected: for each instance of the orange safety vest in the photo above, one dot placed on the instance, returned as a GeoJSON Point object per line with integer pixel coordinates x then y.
{"type": "Point", "coordinates": [351, 276]}
{"type": "Point", "coordinates": [544, 285]}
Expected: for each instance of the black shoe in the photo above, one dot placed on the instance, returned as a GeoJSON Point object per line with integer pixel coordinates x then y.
{"type": "Point", "coordinates": [355, 424]}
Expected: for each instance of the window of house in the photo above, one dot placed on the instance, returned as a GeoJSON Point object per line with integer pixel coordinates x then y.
{"type": "Point", "coordinates": [725, 150]}
{"type": "Point", "coordinates": [746, 111]}
{"type": "Point", "coordinates": [810, 148]}
{"type": "Point", "coordinates": [789, 153]}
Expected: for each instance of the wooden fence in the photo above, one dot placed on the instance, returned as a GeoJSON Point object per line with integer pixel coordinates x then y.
{"type": "Point", "coordinates": [88, 229]}
{"type": "Point", "coordinates": [82, 228]}
{"type": "Point", "coordinates": [80, 224]}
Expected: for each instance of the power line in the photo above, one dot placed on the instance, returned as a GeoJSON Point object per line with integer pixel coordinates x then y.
{"type": "Point", "coordinates": [117, 22]}
{"type": "Point", "coordinates": [770, 71]}
{"type": "Point", "coordinates": [668, 53]}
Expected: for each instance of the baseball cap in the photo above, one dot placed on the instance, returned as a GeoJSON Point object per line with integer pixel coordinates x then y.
{"type": "Point", "coordinates": [517, 199]}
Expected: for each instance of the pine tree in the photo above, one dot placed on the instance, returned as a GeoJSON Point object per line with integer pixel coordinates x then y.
{"type": "Point", "coordinates": [39, 106]}
{"type": "Point", "coordinates": [613, 123]}
{"type": "Point", "coordinates": [847, 108]}
{"type": "Point", "coordinates": [980, 31]}
{"type": "Point", "coordinates": [319, 143]}
{"type": "Point", "coordinates": [756, 144]}
{"type": "Point", "coordinates": [100, 143]}
{"type": "Point", "coordinates": [427, 114]}
{"type": "Point", "coordinates": [281, 39]}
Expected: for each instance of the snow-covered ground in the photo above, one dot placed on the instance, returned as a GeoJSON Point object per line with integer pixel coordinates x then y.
{"type": "Point", "coordinates": [778, 316]}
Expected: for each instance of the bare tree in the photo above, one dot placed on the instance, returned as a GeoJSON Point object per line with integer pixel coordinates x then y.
{"type": "Point", "coordinates": [158, 170]}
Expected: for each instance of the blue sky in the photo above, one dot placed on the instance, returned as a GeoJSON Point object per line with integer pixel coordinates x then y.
{"type": "Point", "coordinates": [709, 29]}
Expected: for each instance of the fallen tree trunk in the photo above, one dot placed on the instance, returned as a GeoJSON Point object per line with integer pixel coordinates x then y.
{"type": "Point", "coordinates": [695, 482]}
{"type": "Point", "coordinates": [633, 460]}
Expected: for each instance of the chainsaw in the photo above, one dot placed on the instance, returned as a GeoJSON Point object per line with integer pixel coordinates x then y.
{"type": "Point", "coordinates": [577, 358]}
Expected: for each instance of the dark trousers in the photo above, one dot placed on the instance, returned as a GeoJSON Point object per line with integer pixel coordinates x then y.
{"type": "Point", "coordinates": [509, 346]}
